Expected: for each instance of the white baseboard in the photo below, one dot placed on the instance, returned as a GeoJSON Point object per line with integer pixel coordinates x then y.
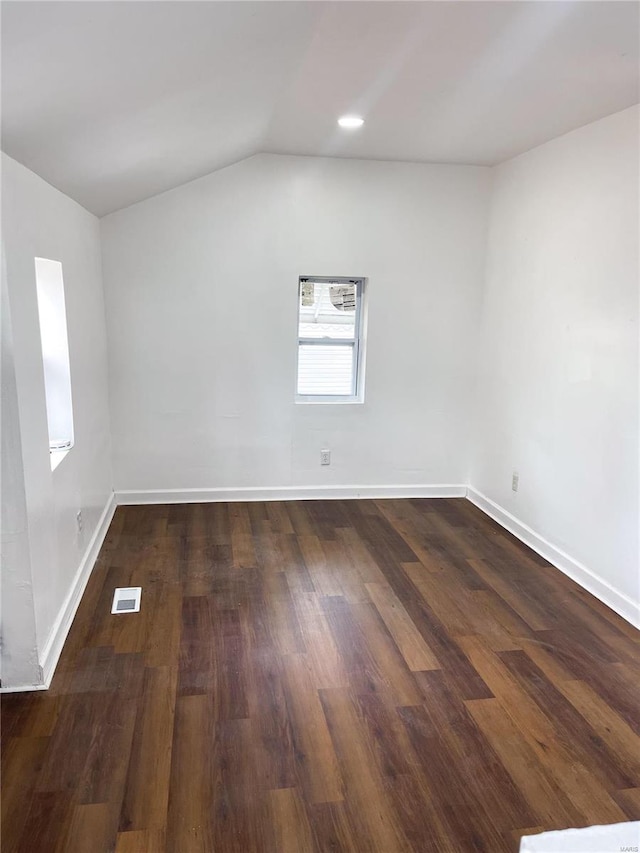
{"type": "Point", "coordinates": [23, 688]}
{"type": "Point", "coordinates": [286, 493]}
{"type": "Point", "coordinates": [617, 601]}
{"type": "Point", "coordinates": [53, 646]}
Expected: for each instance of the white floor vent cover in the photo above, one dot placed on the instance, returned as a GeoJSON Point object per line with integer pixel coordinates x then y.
{"type": "Point", "coordinates": [126, 599]}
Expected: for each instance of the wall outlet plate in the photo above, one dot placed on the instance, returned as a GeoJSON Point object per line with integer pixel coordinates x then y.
{"type": "Point", "coordinates": [515, 481]}
{"type": "Point", "coordinates": [325, 457]}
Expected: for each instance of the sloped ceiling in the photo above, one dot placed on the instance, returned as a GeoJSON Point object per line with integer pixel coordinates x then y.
{"type": "Point", "coordinates": [113, 102]}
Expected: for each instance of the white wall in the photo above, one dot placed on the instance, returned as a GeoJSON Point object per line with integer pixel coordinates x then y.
{"type": "Point", "coordinates": [201, 295]}
{"type": "Point", "coordinates": [39, 221]}
{"type": "Point", "coordinates": [19, 657]}
{"type": "Point", "coordinates": [557, 397]}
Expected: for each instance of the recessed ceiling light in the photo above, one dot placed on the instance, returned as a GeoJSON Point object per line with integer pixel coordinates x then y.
{"type": "Point", "coordinates": [350, 121]}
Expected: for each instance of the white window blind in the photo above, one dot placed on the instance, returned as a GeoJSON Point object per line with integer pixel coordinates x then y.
{"type": "Point", "coordinates": [329, 338]}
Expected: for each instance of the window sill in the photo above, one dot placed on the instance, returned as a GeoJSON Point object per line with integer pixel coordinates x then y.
{"type": "Point", "coordinates": [56, 457]}
{"type": "Point", "coordinates": [329, 401]}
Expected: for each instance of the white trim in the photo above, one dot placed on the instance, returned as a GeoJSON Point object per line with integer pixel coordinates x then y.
{"type": "Point", "coordinates": [53, 647]}
{"type": "Point", "coordinates": [603, 591]}
{"type": "Point", "coordinates": [286, 493]}
{"type": "Point", "coordinates": [56, 456]}
{"type": "Point", "coordinates": [328, 400]}
{"type": "Point", "coordinates": [23, 688]}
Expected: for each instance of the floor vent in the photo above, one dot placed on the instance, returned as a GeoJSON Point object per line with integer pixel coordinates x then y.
{"type": "Point", "coordinates": [126, 599]}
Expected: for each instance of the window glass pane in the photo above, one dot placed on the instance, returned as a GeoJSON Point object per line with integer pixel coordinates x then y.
{"type": "Point", "coordinates": [55, 352]}
{"type": "Point", "coordinates": [325, 369]}
{"type": "Point", "coordinates": [327, 310]}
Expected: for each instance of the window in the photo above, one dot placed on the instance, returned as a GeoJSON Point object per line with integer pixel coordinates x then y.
{"type": "Point", "coordinates": [55, 357]}
{"type": "Point", "coordinates": [330, 341]}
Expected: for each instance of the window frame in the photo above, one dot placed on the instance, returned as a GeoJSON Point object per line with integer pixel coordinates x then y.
{"type": "Point", "coordinates": [52, 312]}
{"type": "Point", "coordinates": [357, 342]}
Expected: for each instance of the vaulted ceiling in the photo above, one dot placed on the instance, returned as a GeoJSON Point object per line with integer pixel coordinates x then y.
{"type": "Point", "coordinates": [113, 102]}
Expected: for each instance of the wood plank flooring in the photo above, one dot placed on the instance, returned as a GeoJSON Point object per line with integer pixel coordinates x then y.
{"type": "Point", "coordinates": [374, 676]}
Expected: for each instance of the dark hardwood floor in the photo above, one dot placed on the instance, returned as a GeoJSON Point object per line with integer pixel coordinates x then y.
{"type": "Point", "coordinates": [324, 676]}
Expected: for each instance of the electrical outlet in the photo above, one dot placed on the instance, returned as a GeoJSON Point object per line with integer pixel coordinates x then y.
{"type": "Point", "coordinates": [325, 457]}
{"type": "Point", "coordinates": [79, 521]}
{"type": "Point", "coordinates": [515, 480]}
